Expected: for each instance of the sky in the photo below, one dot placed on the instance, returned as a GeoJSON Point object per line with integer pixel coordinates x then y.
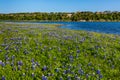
{"type": "Point", "coordinates": [16, 6]}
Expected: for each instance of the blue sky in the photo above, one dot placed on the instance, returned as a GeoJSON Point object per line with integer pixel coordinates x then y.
{"type": "Point", "coordinates": [13, 6]}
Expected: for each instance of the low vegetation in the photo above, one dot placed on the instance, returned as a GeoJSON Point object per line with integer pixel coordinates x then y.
{"type": "Point", "coordinates": [46, 52]}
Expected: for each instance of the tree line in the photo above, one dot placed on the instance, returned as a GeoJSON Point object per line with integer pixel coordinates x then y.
{"type": "Point", "coordinates": [64, 16]}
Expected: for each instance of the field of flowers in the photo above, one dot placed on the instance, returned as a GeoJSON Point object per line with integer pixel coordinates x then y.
{"type": "Point", "coordinates": [46, 52]}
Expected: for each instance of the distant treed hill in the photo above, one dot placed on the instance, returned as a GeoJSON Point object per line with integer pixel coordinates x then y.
{"type": "Point", "coordinates": [63, 16]}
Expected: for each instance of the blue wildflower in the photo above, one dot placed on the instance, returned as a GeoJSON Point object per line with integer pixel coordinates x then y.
{"type": "Point", "coordinates": [100, 76]}
{"type": "Point", "coordinates": [33, 66]}
{"type": "Point", "coordinates": [78, 51]}
{"type": "Point", "coordinates": [87, 75]}
{"type": "Point", "coordinates": [98, 71]}
{"type": "Point", "coordinates": [19, 67]}
{"type": "Point", "coordinates": [1, 62]}
{"type": "Point", "coordinates": [37, 64]}
{"type": "Point", "coordinates": [69, 78]}
{"type": "Point", "coordinates": [32, 74]}
{"type": "Point", "coordinates": [44, 77]}
{"type": "Point", "coordinates": [61, 78]}
{"type": "Point", "coordinates": [3, 78]}
{"type": "Point", "coordinates": [81, 71]}
{"type": "Point", "coordinates": [32, 60]}
{"type": "Point", "coordinates": [0, 50]}
{"type": "Point", "coordinates": [44, 68]}
{"type": "Point", "coordinates": [20, 63]}
{"type": "Point", "coordinates": [13, 57]}
{"type": "Point", "coordinates": [57, 70]}
{"type": "Point", "coordinates": [78, 78]}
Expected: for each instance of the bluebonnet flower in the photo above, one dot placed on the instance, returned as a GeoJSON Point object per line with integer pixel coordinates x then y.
{"type": "Point", "coordinates": [70, 66]}
{"type": "Point", "coordinates": [49, 74]}
{"type": "Point", "coordinates": [0, 62]}
{"type": "Point", "coordinates": [6, 57]}
{"type": "Point", "coordinates": [7, 48]}
{"type": "Point", "coordinates": [3, 64]}
{"type": "Point", "coordinates": [25, 51]}
{"type": "Point", "coordinates": [92, 68]}
{"type": "Point", "coordinates": [64, 72]}
{"type": "Point", "coordinates": [68, 71]}
{"type": "Point", "coordinates": [112, 66]}
{"type": "Point", "coordinates": [13, 57]}
{"type": "Point", "coordinates": [16, 48]}
{"type": "Point", "coordinates": [87, 75]}
{"type": "Point", "coordinates": [98, 71]}
{"type": "Point", "coordinates": [3, 78]}
{"type": "Point", "coordinates": [20, 63]}
{"type": "Point", "coordinates": [12, 38]}
{"type": "Point", "coordinates": [16, 31]}
{"type": "Point", "coordinates": [72, 72]}
{"type": "Point", "coordinates": [78, 78]}
{"type": "Point", "coordinates": [45, 47]}
{"type": "Point", "coordinates": [7, 62]}
{"type": "Point", "coordinates": [61, 78]}
{"type": "Point", "coordinates": [57, 70]}
{"type": "Point", "coordinates": [75, 76]}
{"type": "Point", "coordinates": [44, 77]}
{"type": "Point", "coordinates": [71, 58]}
{"type": "Point", "coordinates": [33, 66]}
{"type": "Point", "coordinates": [3, 45]}
{"type": "Point", "coordinates": [32, 60]}
{"type": "Point", "coordinates": [0, 50]}
{"type": "Point", "coordinates": [81, 71]}
{"type": "Point", "coordinates": [32, 74]}
{"type": "Point", "coordinates": [44, 68]}
{"type": "Point", "coordinates": [19, 67]}
{"type": "Point", "coordinates": [109, 61]}
{"type": "Point", "coordinates": [78, 51]}
{"type": "Point", "coordinates": [19, 38]}
{"type": "Point", "coordinates": [52, 74]}
{"type": "Point", "coordinates": [89, 64]}
{"type": "Point", "coordinates": [68, 78]}
{"type": "Point", "coordinates": [37, 64]}
{"type": "Point", "coordinates": [100, 76]}
{"type": "Point", "coordinates": [77, 47]}
{"type": "Point", "coordinates": [82, 40]}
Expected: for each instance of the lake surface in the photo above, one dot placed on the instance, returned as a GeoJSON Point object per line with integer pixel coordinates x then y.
{"type": "Point", "coordinates": [101, 27]}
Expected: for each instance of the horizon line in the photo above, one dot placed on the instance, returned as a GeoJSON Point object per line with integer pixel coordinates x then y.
{"type": "Point", "coordinates": [56, 11]}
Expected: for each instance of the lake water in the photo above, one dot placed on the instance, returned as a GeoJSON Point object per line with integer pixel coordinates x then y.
{"type": "Point", "coordinates": [101, 27]}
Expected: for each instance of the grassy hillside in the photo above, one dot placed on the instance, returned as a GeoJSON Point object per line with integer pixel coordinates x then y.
{"type": "Point", "coordinates": [46, 52]}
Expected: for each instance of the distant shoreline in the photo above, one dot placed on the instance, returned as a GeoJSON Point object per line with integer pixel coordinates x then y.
{"type": "Point", "coordinates": [49, 21]}
{"type": "Point", "coordinates": [85, 16]}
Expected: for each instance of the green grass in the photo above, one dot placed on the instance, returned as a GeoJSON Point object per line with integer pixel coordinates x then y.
{"type": "Point", "coordinates": [65, 53]}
